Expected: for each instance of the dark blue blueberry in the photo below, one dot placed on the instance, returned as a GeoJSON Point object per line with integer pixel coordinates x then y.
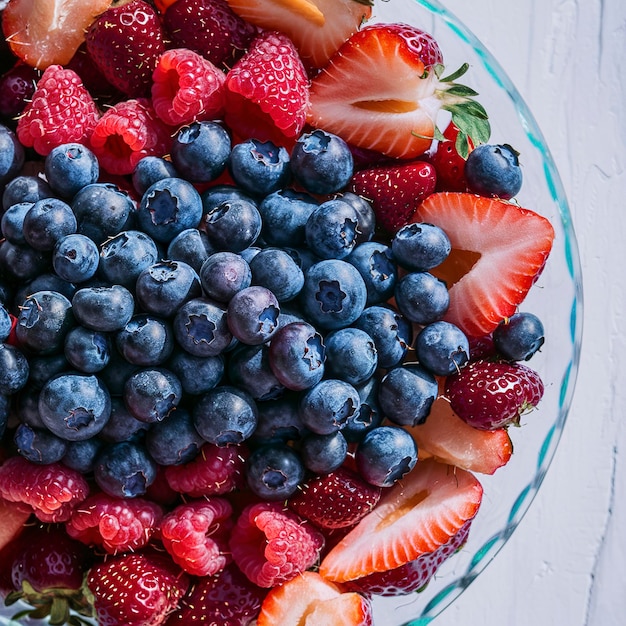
{"type": "Point", "coordinates": [232, 225]}
{"type": "Point", "coordinates": [14, 369]}
{"type": "Point", "coordinates": [276, 270]}
{"type": "Point", "coordinates": [273, 472]}
{"type": "Point", "coordinates": [70, 167]}
{"type": "Point", "coordinates": [249, 369]}
{"type": "Point", "coordinates": [519, 337]}
{"type": "Point", "coordinates": [75, 258]}
{"type": "Point", "coordinates": [125, 470]}
{"type": "Point", "coordinates": [297, 356]}
{"type": "Point", "coordinates": [162, 288]}
{"type": "Point", "coordinates": [494, 170]}
{"type": "Point", "coordinates": [22, 263]}
{"type": "Point", "coordinates": [259, 167]}
{"type": "Point", "coordinates": [323, 454]}
{"type": "Point", "coordinates": [43, 368]}
{"type": "Point", "coordinates": [190, 246]}
{"type": "Point", "coordinates": [303, 257]}
{"type": "Point", "coordinates": [45, 318]}
{"type": "Point", "coordinates": [168, 207]}
{"type": "Point", "coordinates": [225, 415]}
{"type": "Point", "coordinates": [151, 394]}
{"type": "Point", "coordinates": [279, 421]}
{"type": "Point", "coordinates": [391, 332]}
{"type": "Point", "coordinates": [122, 425]}
{"type": "Point", "coordinates": [368, 416]}
{"type": "Point", "coordinates": [201, 328]}
{"type": "Point", "coordinates": [25, 189]}
{"type": "Point", "coordinates": [6, 323]}
{"type": "Point", "coordinates": [378, 269]}
{"type": "Point", "coordinates": [419, 247]}
{"type": "Point", "coordinates": [102, 211]}
{"type": "Point", "coordinates": [27, 407]}
{"type": "Point", "coordinates": [422, 298]}
{"type": "Point", "coordinates": [213, 196]}
{"type": "Point", "coordinates": [331, 230]}
{"type": "Point", "coordinates": [39, 445]}
{"type": "Point", "coordinates": [197, 374]}
{"type": "Point", "coordinates": [145, 340]}
{"type": "Point", "coordinates": [442, 348]}
{"type": "Point", "coordinates": [5, 405]}
{"type": "Point", "coordinates": [47, 221]}
{"type": "Point", "coordinates": [45, 282]}
{"type": "Point", "coordinates": [326, 407]}
{"type": "Point", "coordinates": [149, 170]}
{"type": "Point", "coordinates": [223, 274]}
{"type": "Point", "coordinates": [106, 309]}
{"type": "Point", "coordinates": [385, 455]}
{"type": "Point", "coordinates": [367, 217]}
{"type": "Point", "coordinates": [200, 151]}
{"type": "Point", "coordinates": [333, 295]}
{"type": "Point", "coordinates": [351, 355]}
{"type": "Point", "coordinates": [11, 155]}
{"type": "Point", "coordinates": [285, 214]}
{"type": "Point", "coordinates": [289, 314]}
{"type": "Point", "coordinates": [87, 350]}
{"type": "Point", "coordinates": [253, 315]}
{"type": "Point", "coordinates": [322, 162]}
{"type": "Point", "coordinates": [175, 440]}
{"type": "Point", "coordinates": [125, 256]}
{"type": "Point", "coordinates": [74, 406]}
{"type": "Point", "coordinates": [406, 394]}
{"type": "Point", "coordinates": [12, 223]}
{"type": "Point", "coordinates": [81, 455]}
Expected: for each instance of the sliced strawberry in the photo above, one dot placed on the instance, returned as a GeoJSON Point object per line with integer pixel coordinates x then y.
{"type": "Point", "coordinates": [317, 27]}
{"type": "Point", "coordinates": [13, 516]}
{"type": "Point", "coordinates": [498, 251]}
{"type": "Point", "coordinates": [309, 600]}
{"type": "Point", "coordinates": [417, 516]}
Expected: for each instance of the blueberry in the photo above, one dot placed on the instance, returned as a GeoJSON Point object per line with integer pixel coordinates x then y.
{"type": "Point", "coordinates": [47, 221]}
{"type": "Point", "coordinates": [422, 298]}
{"type": "Point", "coordinates": [285, 213]}
{"type": "Point", "coordinates": [122, 425]}
{"type": "Point", "coordinates": [69, 167]}
{"type": "Point", "coordinates": [11, 155]}
{"type": "Point", "coordinates": [259, 167]}
{"type": "Point", "coordinates": [368, 416]}
{"type": "Point", "coordinates": [4, 414]}
{"type": "Point", "coordinates": [419, 247]}
{"type": "Point", "coordinates": [351, 355]}
{"type": "Point", "coordinates": [175, 440]}
{"type": "Point", "coordinates": [442, 348]}
{"type": "Point", "coordinates": [273, 472]}
{"type": "Point", "coordinates": [331, 229]}
{"type": "Point", "coordinates": [213, 196]}
{"type": "Point", "coordinates": [385, 455]}
{"type": "Point", "coordinates": [279, 421]}
{"type": "Point", "coordinates": [196, 374]}
{"type": "Point", "coordinates": [81, 455]}
{"type": "Point", "coordinates": [74, 406]}
{"type": "Point", "coordinates": [253, 315]}
{"type": "Point", "coordinates": [27, 407]}
{"type": "Point", "coordinates": [323, 454]}
{"type": "Point", "coordinates": [145, 340]}
{"type": "Point", "coordinates": [276, 270]}
{"type": "Point", "coordinates": [225, 415]}
{"type": "Point", "coordinates": [22, 262]}
{"type": "Point", "coordinates": [39, 445]}
{"type": "Point", "coordinates": [519, 337]}
{"type": "Point", "coordinates": [106, 309]}
{"type": "Point", "coordinates": [201, 327]}
{"type": "Point", "coordinates": [406, 394]}
{"type": "Point", "coordinates": [149, 170]}
{"type": "Point", "coordinates": [43, 368]}
{"type": "Point", "coordinates": [321, 162]}
{"type": "Point", "coordinates": [223, 274]}
{"type": "Point", "coordinates": [494, 170]}
{"type": "Point", "coordinates": [367, 217]}
{"type": "Point", "coordinates": [377, 267]}
{"type": "Point", "coordinates": [125, 256]}
{"type": "Point", "coordinates": [6, 323]}
{"type": "Point", "coordinates": [12, 223]}
{"type": "Point", "coordinates": [200, 151]}
{"type": "Point", "coordinates": [14, 369]}
{"type": "Point", "coordinates": [25, 189]}
{"type": "Point", "coordinates": [151, 394]}
{"type": "Point", "coordinates": [87, 350]}
{"type": "Point", "coordinates": [75, 258]}
{"type": "Point", "coordinates": [125, 470]}
{"type": "Point", "coordinates": [233, 225]}
{"type": "Point", "coordinates": [45, 282]}
{"type": "Point", "coordinates": [326, 407]}
{"type": "Point", "coordinates": [249, 369]}
{"type": "Point", "coordinates": [190, 246]}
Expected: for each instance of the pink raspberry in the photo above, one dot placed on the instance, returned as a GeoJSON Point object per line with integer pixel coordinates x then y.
{"type": "Point", "coordinates": [186, 87]}
{"type": "Point", "coordinates": [115, 524]}
{"type": "Point", "coordinates": [272, 545]}
{"type": "Point", "coordinates": [128, 132]}
{"type": "Point", "coordinates": [52, 491]}
{"type": "Point", "coordinates": [195, 534]}
{"type": "Point", "coordinates": [61, 111]}
{"type": "Point", "coordinates": [215, 471]}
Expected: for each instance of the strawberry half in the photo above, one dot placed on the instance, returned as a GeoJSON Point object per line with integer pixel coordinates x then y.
{"type": "Point", "coordinates": [418, 515]}
{"type": "Point", "coordinates": [382, 90]}
{"type": "Point", "coordinates": [498, 251]}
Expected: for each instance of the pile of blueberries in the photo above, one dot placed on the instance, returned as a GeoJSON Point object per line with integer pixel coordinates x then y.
{"type": "Point", "coordinates": [243, 313]}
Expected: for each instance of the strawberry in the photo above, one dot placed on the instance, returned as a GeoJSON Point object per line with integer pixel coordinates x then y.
{"type": "Point", "coordinates": [447, 159]}
{"type": "Point", "coordinates": [416, 516]}
{"type": "Point", "coordinates": [317, 27]}
{"type": "Point", "coordinates": [382, 91]}
{"type": "Point", "coordinates": [498, 251]}
{"type": "Point", "coordinates": [125, 43]}
{"type": "Point", "coordinates": [489, 394]}
{"type": "Point", "coordinates": [309, 599]}
{"type": "Point", "coordinates": [267, 91]}
{"type": "Point", "coordinates": [136, 589]}
{"type": "Point", "coordinates": [13, 516]}
{"type": "Point", "coordinates": [395, 190]}
{"type": "Point", "coordinates": [48, 32]}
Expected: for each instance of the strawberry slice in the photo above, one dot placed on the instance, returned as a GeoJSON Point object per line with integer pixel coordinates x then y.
{"type": "Point", "coordinates": [316, 27]}
{"type": "Point", "coordinates": [309, 600]}
{"type": "Point", "coordinates": [498, 251]}
{"type": "Point", "coordinates": [417, 516]}
{"type": "Point", "coordinates": [13, 516]}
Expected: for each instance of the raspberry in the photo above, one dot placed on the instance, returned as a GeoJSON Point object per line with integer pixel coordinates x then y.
{"type": "Point", "coordinates": [215, 471]}
{"type": "Point", "coordinates": [61, 111]}
{"type": "Point", "coordinates": [52, 491]}
{"type": "Point", "coordinates": [115, 524]}
{"type": "Point", "coordinates": [186, 87]}
{"type": "Point", "coordinates": [272, 545]}
{"type": "Point", "coordinates": [128, 132]}
{"type": "Point", "coordinates": [195, 534]}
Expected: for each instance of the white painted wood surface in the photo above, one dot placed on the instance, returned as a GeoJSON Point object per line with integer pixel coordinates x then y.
{"type": "Point", "coordinates": [566, 563]}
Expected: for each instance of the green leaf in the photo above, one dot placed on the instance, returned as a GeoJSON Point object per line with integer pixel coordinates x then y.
{"type": "Point", "coordinates": [59, 612]}
{"type": "Point", "coordinates": [461, 90]}
{"type": "Point", "coordinates": [455, 75]}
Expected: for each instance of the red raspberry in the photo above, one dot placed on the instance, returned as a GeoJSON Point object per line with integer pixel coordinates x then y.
{"type": "Point", "coordinates": [128, 132]}
{"type": "Point", "coordinates": [272, 545]}
{"type": "Point", "coordinates": [61, 111]}
{"type": "Point", "coordinates": [115, 524]}
{"type": "Point", "coordinates": [195, 535]}
{"type": "Point", "coordinates": [53, 491]}
{"type": "Point", "coordinates": [186, 87]}
{"type": "Point", "coordinates": [215, 471]}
